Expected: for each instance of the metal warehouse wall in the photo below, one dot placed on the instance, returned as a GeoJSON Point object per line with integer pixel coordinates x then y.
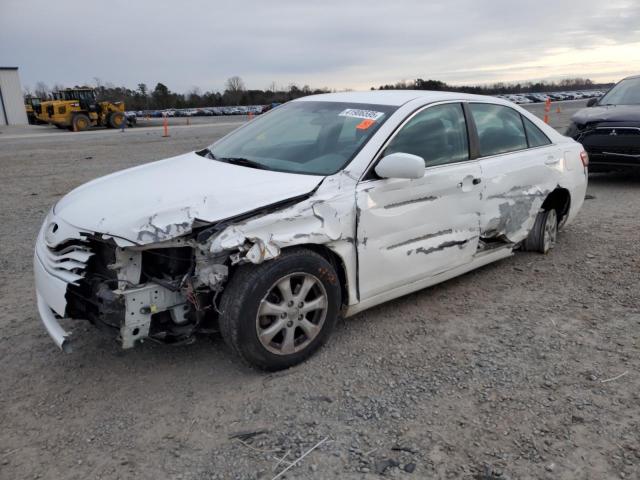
{"type": "Point", "coordinates": [12, 110]}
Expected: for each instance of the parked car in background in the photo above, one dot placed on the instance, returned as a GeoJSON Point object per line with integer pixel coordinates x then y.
{"type": "Point", "coordinates": [131, 118]}
{"type": "Point", "coordinates": [609, 128]}
{"type": "Point", "coordinates": [326, 206]}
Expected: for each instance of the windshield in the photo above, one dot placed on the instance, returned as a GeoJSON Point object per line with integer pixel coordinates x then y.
{"type": "Point", "coordinates": [315, 138]}
{"type": "Point", "coordinates": [627, 92]}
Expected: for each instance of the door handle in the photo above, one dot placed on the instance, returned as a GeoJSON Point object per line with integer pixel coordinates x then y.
{"type": "Point", "coordinates": [465, 182]}
{"type": "Point", "coordinates": [551, 160]}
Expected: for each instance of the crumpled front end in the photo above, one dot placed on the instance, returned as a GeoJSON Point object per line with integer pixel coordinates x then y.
{"type": "Point", "coordinates": [168, 290]}
{"type": "Point", "coordinates": [132, 293]}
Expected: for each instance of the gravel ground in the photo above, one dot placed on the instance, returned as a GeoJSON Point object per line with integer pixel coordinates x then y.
{"type": "Point", "coordinates": [527, 368]}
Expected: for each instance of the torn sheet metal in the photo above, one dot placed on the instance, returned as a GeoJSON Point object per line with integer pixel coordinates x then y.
{"type": "Point", "coordinates": [513, 194]}
{"type": "Point", "coordinates": [514, 212]}
{"type": "Point", "coordinates": [326, 218]}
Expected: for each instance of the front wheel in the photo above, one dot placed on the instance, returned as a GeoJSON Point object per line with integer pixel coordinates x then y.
{"type": "Point", "coordinates": [277, 314]}
{"type": "Point", "coordinates": [116, 119]}
{"type": "Point", "coordinates": [80, 122]}
{"type": "Point", "coordinates": [542, 236]}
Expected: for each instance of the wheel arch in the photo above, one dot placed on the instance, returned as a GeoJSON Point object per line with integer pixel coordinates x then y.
{"type": "Point", "coordinates": [336, 261]}
{"type": "Point", "coordinates": [560, 200]}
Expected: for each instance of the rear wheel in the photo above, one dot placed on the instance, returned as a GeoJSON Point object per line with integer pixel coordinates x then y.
{"type": "Point", "coordinates": [80, 122]}
{"type": "Point", "coordinates": [116, 119]}
{"type": "Point", "coordinates": [542, 236]}
{"type": "Point", "coordinates": [277, 314]}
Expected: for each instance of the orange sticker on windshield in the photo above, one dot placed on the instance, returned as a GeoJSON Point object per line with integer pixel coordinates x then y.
{"type": "Point", "coordinates": [364, 124]}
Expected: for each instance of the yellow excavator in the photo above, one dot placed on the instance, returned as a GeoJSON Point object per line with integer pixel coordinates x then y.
{"type": "Point", "coordinates": [77, 109]}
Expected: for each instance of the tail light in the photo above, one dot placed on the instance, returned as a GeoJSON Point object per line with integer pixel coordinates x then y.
{"type": "Point", "coordinates": [585, 158]}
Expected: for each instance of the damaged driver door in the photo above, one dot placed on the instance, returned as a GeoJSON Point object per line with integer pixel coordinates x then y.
{"type": "Point", "coordinates": [410, 229]}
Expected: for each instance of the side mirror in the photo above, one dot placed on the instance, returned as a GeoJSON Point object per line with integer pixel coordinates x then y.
{"type": "Point", "coordinates": [592, 102]}
{"type": "Point", "coordinates": [400, 165]}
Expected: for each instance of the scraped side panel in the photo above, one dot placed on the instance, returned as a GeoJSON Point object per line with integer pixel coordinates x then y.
{"type": "Point", "coordinates": [516, 185]}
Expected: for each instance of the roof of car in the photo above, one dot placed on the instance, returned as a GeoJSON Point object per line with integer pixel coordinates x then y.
{"type": "Point", "coordinates": [394, 97]}
{"type": "Point", "coordinates": [630, 77]}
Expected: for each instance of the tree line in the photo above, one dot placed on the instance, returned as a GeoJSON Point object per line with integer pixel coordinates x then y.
{"type": "Point", "coordinates": [236, 93]}
{"type": "Point", "coordinates": [500, 88]}
{"type": "Point", "coordinates": [161, 97]}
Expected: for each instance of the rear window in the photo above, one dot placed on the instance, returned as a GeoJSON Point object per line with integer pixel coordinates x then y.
{"type": "Point", "coordinates": [500, 129]}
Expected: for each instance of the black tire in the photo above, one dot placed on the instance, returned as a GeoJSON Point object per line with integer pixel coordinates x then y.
{"type": "Point", "coordinates": [80, 122]}
{"type": "Point", "coordinates": [250, 285]}
{"type": "Point", "coordinates": [116, 119]}
{"type": "Point", "coordinates": [542, 237]}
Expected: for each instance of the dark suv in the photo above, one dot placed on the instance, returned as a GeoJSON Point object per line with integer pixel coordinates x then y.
{"type": "Point", "coordinates": [610, 129]}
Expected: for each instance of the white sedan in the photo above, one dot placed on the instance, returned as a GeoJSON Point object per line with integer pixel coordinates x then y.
{"type": "Point", "coordinates": [324, 207]}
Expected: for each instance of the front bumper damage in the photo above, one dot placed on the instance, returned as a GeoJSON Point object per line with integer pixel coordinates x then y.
{"type": "Point", "coordinates": [72, 284]}
{"type": "Point", "coordinates": [167, 290]}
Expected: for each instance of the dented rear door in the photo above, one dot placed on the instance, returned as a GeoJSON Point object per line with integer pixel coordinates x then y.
{"type": "Point", "coordinates": [518, 174]}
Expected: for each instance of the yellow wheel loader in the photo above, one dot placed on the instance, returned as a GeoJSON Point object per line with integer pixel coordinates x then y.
{"type": "Point", "coordinates": [32, 106]}
{"type": "Point", "coordinates": [77, 109]}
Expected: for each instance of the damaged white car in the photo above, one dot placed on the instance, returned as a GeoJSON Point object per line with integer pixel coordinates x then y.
{"type": "Point", "coordinates": [324, 207]}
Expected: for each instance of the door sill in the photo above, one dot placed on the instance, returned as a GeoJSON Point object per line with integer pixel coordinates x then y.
{"type": "Point", "coordinates": [480, 259]}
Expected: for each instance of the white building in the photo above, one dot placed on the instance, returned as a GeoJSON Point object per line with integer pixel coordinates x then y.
{"type": "Point", "coordinates": [12, 111]}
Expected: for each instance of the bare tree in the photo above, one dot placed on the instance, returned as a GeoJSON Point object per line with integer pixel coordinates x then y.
{"type": "Point", "coordinates": [234, 88]}
{"type": "Point", "coordinates": [234, 84]}
{"type": "Point", "coordinates": [41, 90]}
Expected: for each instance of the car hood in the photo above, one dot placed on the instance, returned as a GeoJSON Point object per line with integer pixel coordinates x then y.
{"type": "Point", "coordinates": [608, 113]}
{"type": "Point", "coordinates": [162, 200]}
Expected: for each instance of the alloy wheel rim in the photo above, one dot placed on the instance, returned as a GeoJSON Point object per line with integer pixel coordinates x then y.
{"type": "Point", "coordinates": [292, 313]}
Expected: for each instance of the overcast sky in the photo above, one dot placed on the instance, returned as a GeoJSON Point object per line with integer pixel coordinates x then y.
{"type": "Point", "coordinates": [329, 43]}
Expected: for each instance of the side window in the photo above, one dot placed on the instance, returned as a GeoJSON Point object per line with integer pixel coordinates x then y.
{"type": "Point", "coordinates": [535, 136]}
{"type": "Point", "coordinates": [437, 134]}
{"type": "Point", "coordinates": [500, 129]}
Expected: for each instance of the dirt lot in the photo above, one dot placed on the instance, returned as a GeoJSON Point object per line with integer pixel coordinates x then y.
{"type": "Point", "coordinates": [527, 368]}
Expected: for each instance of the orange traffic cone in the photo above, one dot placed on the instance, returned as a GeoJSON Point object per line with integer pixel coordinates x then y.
{"type": "Point", "coordinates": [558, 109]}
{"type": "Point", "coordinates": [547, 109]}
{"type": "Point", "coordinates": [250, 115]}
{"type": "Point", "coordinates": [165, 125]}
